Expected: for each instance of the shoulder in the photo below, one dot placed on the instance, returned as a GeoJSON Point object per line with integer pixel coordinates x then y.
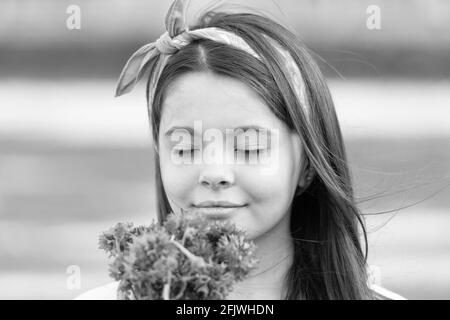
{"type": "Point", "coordinates": [105, 292]}
{"type": "Point", "coordinates": [381, 293]}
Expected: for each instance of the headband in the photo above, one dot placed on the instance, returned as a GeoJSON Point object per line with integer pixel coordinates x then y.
{"type": "Point", "coordinates": [177, 36]}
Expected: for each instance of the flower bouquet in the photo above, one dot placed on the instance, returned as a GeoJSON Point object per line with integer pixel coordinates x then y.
{"type": "Point", "coordinates": [186, 258]}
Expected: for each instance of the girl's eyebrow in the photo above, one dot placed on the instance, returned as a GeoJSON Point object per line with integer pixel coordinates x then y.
{"type": "Point", "coordinates": [172, 129]}
{"type": "Point", "coordinates": [251, 127]}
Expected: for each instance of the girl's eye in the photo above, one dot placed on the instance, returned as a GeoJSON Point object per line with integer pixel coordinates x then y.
{"type": "Point", "coordinates": [250, 149]}
{"type": "Point", "coordinates": [182, 151]}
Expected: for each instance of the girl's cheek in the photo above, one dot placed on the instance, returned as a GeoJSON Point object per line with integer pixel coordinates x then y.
{"type": "Point", "coordinates": [178, 181]}
{"type": "Point", "coordinates": [268, 184]}
{"type": "Point", "coordinates": [259, 188]}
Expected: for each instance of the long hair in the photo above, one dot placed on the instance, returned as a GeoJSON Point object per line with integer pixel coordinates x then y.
{"type": "Point", "coordinates": [329, 262]}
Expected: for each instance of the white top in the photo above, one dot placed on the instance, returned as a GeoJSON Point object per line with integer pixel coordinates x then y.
{"type": "Point", "coordinates": [109, 292]}
{"type": "Point", "coordinates": [105, 292]}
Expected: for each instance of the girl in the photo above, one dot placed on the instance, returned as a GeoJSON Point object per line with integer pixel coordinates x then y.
{"type": "Point", "coordinates": [246, 73]}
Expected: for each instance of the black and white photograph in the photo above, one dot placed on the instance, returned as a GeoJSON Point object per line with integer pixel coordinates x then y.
{"type": "Point", "coordinates": [241, 150]}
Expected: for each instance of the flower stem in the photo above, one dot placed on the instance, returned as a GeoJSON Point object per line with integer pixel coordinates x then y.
{"type": "Point", "coordinates": [166, 289]}
{"type": "Point", "coordinates": [196, 260]}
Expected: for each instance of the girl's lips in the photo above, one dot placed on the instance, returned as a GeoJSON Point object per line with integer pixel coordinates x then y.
{"type": "Point", "coordinates": [218, 212]}
{"type": "Point", "coordinates": [218, 204]}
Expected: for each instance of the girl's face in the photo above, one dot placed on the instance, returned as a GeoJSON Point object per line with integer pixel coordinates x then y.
{"type": "Point", "coordinates": [257, 195]}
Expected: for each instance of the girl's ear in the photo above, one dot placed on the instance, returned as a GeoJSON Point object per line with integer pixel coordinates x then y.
{"type": "Point", "coordinates": [306, 177]}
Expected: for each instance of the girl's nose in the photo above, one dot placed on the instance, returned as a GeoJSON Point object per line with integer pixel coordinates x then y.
{"type": "Point", "coordinates": [216, 177]}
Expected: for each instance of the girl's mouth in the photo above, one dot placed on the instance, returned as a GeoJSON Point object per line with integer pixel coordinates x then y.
{"type": "Point", "coordinates": [218, 212]}
{"type": "Point", "coordinates": [222, 204]}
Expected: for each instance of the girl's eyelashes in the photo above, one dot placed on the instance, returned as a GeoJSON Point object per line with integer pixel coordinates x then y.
{"type": "Point", "coordinates": [247, 150]}
{"type": "Point", "coordinates": [181, 150]}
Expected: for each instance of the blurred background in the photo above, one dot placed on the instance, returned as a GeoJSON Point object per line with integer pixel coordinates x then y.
{"type": "Point", "coordinates": [74, 160]}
